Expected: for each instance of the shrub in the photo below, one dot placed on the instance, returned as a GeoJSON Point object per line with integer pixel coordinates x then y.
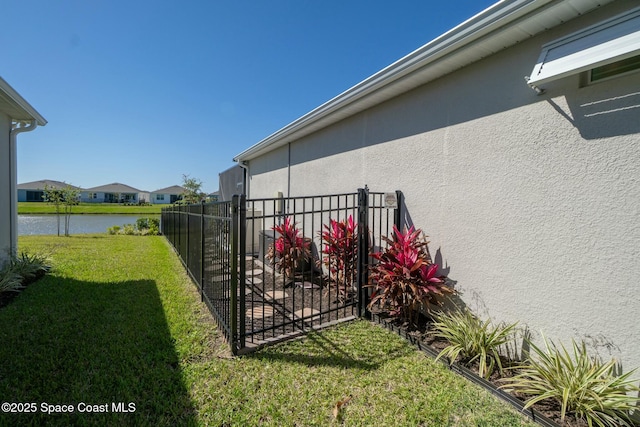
{"type": "Point", "coordinates": [404, 277]}
{"type": "Point", "coordinates": [148, 224]}
{"type": "Point", "coordinates": [341, 254]}
{"type": "Point", "coordinates": [9, 280]}
{"type": "Point", "coordinates": [582, 385]}
{"type": "Point", "coordinates": [472, 339]}
{"type": "Point", "coordinates": [142, 227]}
{"type": "Point", "coordinates": [128, 229]}
{"type": "Point", "coordinates": [290, 249]}
{"type": "Point", "coordinates": [29, 266]}
{"type": "Point", "coordinates": [21, 270]}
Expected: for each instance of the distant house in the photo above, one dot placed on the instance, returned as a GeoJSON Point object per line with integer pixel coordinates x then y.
{"type": "Point", "coordinates": [16, 116]}
{"type": "Point", "coordinates": [167, 195]}
{"type": "Point", "coordinates": [213, 197]}
{"type": "Point", "coordinates": [113, 193]}
{"type": "Point", "coordinates": [34, 191]}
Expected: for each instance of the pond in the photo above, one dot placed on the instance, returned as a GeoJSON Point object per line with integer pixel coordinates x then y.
{"type": "Point", "coordinates": [79, 224]}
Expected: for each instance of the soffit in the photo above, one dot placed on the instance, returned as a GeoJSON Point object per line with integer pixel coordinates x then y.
{"type": "Point", "coordinates": [16, 107]}
{"type": "Point", "coordinates": [500, 26]}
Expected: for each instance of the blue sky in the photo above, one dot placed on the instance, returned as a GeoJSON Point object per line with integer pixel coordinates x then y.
{"type": "Point", "coordinates": [141, 92]}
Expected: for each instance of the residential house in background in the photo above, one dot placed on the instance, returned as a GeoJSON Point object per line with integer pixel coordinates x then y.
{"type": "Point", "coordinates": [34, 191]}
{"type": "Point", "coordinates": [166, 195]}
{"type": "Point", "coordinates": [114, 193]}
{"type": "Point", "coordinates": [515, 138]}
{"type": "Point", "coordinates": [16, 116]}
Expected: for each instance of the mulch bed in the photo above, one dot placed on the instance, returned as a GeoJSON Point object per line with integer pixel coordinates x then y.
{"type": "Point", "coordinates": [421, 333]}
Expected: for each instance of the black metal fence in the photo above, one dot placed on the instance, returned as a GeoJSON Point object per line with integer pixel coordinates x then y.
{"type": "Point", "coordinates": [236, 253]}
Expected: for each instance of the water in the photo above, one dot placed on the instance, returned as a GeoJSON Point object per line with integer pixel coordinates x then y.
{"type": "Point", "coordinates": [79, 224]}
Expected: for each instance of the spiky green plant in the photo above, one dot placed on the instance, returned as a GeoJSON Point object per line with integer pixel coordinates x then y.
{"type": "Point", "coordinates": [582, 384]}
{"type": "Point", "coordinates": [472, 339]}
{"type": "Point", "coordinates": [9, 280]}
{"type": "Point", "coordinates": [29, 266]}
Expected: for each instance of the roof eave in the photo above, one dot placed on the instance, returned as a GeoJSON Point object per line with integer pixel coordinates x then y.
{"type": "Point", "coordinates": [21, 104]}
{"type": "Point", "coordinates": [387, 83]}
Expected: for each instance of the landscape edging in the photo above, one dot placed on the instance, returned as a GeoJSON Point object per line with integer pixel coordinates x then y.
{"type": "Point", "coordinates": [516, 403]}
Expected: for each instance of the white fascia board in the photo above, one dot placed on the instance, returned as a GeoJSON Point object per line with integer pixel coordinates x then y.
{"type": "Point", "coordinates": [609, 41]}
{"type": "Point", "coordinates": [489, 20]}
{"type": "Point", "coordinates": [21, 104]}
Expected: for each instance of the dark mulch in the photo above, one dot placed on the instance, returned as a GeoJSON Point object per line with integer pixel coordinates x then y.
{"type": "Point", "coordinates": [422, 330]}
{"type": "Point", "coordinates": [291, 311]}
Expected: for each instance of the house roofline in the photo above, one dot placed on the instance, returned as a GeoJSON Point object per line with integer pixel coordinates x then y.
{"type": "Point", "coordinates": [20, 103]}
{"type": "Point", "coordinates": [409, 71]}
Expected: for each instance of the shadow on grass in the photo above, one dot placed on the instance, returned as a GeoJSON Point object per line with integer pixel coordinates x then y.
{"type": "Point", "coordinates": [353, 346]}
{"type": "Point", "coordinates": [69, 342]}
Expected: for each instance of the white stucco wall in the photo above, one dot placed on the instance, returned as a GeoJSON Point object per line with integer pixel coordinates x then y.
{"type": "Point", "coordinates": [6, 216]}
{"type": "Point", "coordinates": [531, 202]}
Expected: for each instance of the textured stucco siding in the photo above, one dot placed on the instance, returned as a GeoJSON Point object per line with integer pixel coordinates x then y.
{"type": "Point", "coordinates": [531, 202]}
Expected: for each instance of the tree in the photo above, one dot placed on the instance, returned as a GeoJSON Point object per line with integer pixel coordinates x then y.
{"type": "Point", "coordinates": [70, 199]}
{"type": "Point", "coordinates": [54, 196]}
{"type": "Point", "coordinates": [192, 190]}
{"type": "Point", "coordinates": [63, 199]}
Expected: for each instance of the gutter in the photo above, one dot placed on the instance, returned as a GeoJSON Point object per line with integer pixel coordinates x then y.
{"type": "Point", "coordinates": [489, 20]}
{"type": "Point", "coordinates": [245, 178]}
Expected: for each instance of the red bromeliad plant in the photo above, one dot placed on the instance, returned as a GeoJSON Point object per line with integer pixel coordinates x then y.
{"type": "Point", "coordinates": [341, 253]}
{"type": "Point", "coordinates": [290, 249]}
{"type": "Point", "coordinates": [405, 279]}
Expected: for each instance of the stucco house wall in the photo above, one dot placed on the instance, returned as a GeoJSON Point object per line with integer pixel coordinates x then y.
{"type": "Point", "coordinates": [164, 196]}
{"type": "Point", "coordinates": [16, 117]}
{"type": "Point", "coordinates": [115, 193]}
{"type": "Point", "coordinates": [531, 203]}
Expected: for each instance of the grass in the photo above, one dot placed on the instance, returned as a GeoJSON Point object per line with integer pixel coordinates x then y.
{"type": "Point", "coordinates": [42, 208]}
{"type": "Point", "coordinates": [117, 320]}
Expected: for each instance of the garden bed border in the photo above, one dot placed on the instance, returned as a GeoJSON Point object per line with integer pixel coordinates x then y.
{"type": "Point", "coordinates": [516, 403]}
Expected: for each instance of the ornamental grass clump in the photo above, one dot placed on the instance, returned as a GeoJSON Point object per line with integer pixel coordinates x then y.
{"type": "Point", "coordinates": [340, 254]}
{"type": "Point", "coordinates": [404, 278]}
{"type": "Point", "coordinates": [29, 266]}
{"type": "Point", "coordinates": [9, 280]}
{"type": "Point", "coordinates": [583, 385]}
{"type": "Point", "coordinates": [289, 250]}
{"type": "Point", "coordinates": [472, 340]}
{"type": "Point", "coordinates": [21, 270]}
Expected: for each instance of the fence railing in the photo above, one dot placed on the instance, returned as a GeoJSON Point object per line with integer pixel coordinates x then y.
{"type": "Point", "coordinates": [231, 251]}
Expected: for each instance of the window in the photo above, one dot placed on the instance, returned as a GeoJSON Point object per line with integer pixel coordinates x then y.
{"type": "Point", "coordinates": [607, 44]}
{"type": "Point", "coordinates": [35, 196]}
{"type": "Point", "coordinates": [615, 68]}
{"type": "Point", "coordinates": [159, 196]}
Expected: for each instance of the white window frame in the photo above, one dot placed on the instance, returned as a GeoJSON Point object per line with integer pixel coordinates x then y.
{"type": "Point", "coordinates": [609, 41]}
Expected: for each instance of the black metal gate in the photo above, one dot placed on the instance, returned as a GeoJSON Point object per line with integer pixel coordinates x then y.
{"type": "Point", "coordinates": [236, 254]}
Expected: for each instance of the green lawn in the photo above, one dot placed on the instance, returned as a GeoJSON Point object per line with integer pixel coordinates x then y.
{"type": "Point", "coordinates": [41, 208]}
{"type": "Point", "coordinates": [119, 321]}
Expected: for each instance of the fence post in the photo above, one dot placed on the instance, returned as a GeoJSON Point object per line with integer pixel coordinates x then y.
{"type": "Point", "coordinates": [363, 248]}
{"type": "Point", "coordinates": [233, 298]}
{"type": "Point", "coordinates": [202, 249]}
{"type": "Point", "coordinates": [242, 280]}
{"type": "Point", "coordinates": [398, 214]}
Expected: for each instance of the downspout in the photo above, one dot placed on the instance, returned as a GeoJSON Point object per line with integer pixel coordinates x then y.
{"type": "Point", "coordinates": [16, 128]}
{"type": "Point", "coordinates": [245, 166]}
